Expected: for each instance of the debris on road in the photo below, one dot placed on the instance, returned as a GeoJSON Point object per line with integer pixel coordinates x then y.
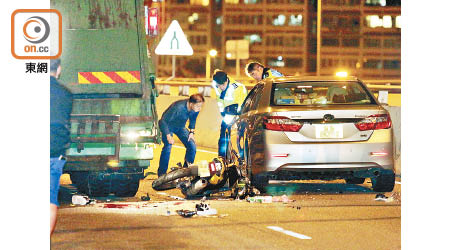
{"type": "Point", "coordinates": [382, 197]}
{"type": "Point", "coordinates": [186, 213]}
{"type": "Point", "coordinates": [269, 199]}
{"type": "Point", "coordinates": [145, 198]}
{"type": "Point", "coordinates": [203, 209]}
{"type": "Point", "coordinates": [78, 199]}
{"type": "Point", "coordinates": [260, 199]}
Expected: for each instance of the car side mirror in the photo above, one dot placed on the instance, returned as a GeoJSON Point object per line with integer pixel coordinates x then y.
{"type": "Point", "coordinates": [231, 109]}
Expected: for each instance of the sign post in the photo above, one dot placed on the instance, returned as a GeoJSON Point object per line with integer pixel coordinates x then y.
{"type": "Point", "coordinates": [174, 43]}
{"type": "Point", "coordinates": [237, 49]}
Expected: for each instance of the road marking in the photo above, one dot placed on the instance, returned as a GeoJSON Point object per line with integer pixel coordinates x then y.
{"type": "Point", "coordinates": [290, 233]}
{"type": "Point", "coordinates": [198, 150]}
{"type": "Point", "coordinates": [398, 182]}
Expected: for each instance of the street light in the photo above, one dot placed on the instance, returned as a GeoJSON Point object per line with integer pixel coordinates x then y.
{"type": "Point", "coordinates": [211, 53]}
{"type": "Point", "coordinates": [319, 38]}
{"type": "Point", "coordinates": [342, 73]}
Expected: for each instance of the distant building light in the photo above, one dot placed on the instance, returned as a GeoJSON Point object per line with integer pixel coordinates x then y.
{"type": "Point", "coordinates": [213, 52]}
{"type": "Point", "coordinates": [228, 55]}
{"type": "Point", "coordinates": [276, 63]}
{"type": "Point", "coordinates": [280, 58]}
{"type": "Point", "coordinates": [383, 2]}
{"type": "Point", "coordinates": [195, 16]}
{"type": "Point", "coordinates": [397, 22]}
{"type": "Point", "coordinates": [387, 21]}
{"type": "Point", "coordinates": [295, 20]}
{"type": "Point", "coordinates": [219, 20]}
{"type": "Point", "coordinates": [280, 20]}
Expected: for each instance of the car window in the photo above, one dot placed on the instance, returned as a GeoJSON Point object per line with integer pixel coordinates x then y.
{"type": "Point", "coordinates": [320, 93]}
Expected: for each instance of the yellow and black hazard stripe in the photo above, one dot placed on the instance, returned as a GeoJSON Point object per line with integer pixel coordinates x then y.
{"type": "Point", "coordinates": [109, 77]}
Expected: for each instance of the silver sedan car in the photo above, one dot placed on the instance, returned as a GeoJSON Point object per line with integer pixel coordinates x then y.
{"type": "Point", "coordinates": [305, 128]}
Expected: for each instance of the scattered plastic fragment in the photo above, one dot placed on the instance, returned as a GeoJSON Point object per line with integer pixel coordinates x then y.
{"type": "Point", "coordinates": [186, 213]}
{"type": "Point", "coordinates": [260, 199]}
{"type": "Point", "coordinates": [82, 200]}
{"type": "Point", "coordinates": [145, 198]}
{"type": "Point", "coordinates": [203, 209]}
{"type": "Point", "coordinates": [382, 197]}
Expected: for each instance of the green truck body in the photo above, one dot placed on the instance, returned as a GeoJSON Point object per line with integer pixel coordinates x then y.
{"type": "Point", "coordinates": [105, 65]}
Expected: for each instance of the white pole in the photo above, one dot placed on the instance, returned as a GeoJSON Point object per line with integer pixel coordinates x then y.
{"type": "Point", "coordinates": [173, 66]}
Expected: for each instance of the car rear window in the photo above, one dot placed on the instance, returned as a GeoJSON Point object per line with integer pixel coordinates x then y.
{"type": "Point", "coordinates": [320, 93]}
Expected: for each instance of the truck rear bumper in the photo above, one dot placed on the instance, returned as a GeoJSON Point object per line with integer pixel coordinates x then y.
{"type": "Point", "coordinates": [104, 164]}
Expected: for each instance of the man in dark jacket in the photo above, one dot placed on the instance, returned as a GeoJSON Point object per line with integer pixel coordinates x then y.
{"type": "Point", "coordinates": [173, 121]}
{"type": "Point", "coordinates": [60, 109]}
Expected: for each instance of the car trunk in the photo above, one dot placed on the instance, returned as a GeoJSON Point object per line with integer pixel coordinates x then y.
{"type": "Point", "coordinates": [330, 123]}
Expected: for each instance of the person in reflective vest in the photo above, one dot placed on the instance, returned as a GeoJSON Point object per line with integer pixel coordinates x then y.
{"type": "Point", "coordinates": [259, 72]}
{"type": "Point", "coordinates": [228, 92]}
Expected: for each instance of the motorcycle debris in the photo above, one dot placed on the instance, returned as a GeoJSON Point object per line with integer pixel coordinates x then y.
{"type": "Point", "coordinates": [260, 199]}
{"type": "Point", "coordinates": [82, 200]}
{"type": "Point", "coordinates": [203, 209]}
{"type": "Point", "coordinates": [208, 212]}
{"type": "Point", "coordinates": [145, 198]}
{"type": "Point", "coordinates": [186, 213]}
{"type": "Point", "coordinates": [380, 197]}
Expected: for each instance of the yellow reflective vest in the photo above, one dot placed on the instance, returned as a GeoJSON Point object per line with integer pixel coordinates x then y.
{"type": "Point", "coordinates": [270, 73]}
{"type": "Point", "coordinates": [235, 93]}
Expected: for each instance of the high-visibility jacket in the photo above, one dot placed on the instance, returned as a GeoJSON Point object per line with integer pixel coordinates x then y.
{"type": "Point", "coordinates": [270, 73]}
{"type": "Point", "coordinates": [235, 93]}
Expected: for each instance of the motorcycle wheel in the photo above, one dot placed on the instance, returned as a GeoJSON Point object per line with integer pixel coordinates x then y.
{"type": "Point", "coordinates": [167, 181]}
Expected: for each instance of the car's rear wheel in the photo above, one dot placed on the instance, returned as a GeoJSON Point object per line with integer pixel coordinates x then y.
{"type": "Point", "coordinates": [384, 182]}
{"type": "Point", "coordinates": [355, 180]}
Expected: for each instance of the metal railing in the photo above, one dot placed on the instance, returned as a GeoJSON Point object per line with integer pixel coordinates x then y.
{"type": "Point", "coordinates": [204, 85]}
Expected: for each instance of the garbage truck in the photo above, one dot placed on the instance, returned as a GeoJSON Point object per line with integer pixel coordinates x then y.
{"type": "Point", "coordinates": [105, 64]}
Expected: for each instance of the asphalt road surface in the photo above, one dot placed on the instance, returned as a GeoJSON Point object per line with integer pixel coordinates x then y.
{"type": "Point", "coordinates": [316, 215]}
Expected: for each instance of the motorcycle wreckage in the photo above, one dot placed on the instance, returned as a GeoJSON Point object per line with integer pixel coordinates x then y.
{"type": "Point", "coordinates": [205, 178]}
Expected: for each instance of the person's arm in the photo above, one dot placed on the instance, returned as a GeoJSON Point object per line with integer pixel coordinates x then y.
{"type": "Point", "coordinates": [192, 120]}
{"type": "Point", "coordinates": [165, 119]}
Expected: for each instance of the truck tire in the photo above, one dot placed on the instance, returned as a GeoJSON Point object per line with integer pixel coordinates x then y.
{"type": "Point", "coordinates": [99, 184]}
{"type": "Point", "coordinates": [167, 181]}
{"type": "Point", "coordinates": [126, 187]}
{"type": "Point", "coordinates": [384, 182]}
{"type": "Point", "coordinates": [80, 180]}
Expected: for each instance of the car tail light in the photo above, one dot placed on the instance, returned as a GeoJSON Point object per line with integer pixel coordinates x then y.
{"type": "Point", "coordinates": [281, 123]}
{"type": "Point", "coordinates": [373, 122]}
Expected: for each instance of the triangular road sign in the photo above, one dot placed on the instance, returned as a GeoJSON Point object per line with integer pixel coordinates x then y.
{"type": "Point", "coordinates": [174, 42]}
